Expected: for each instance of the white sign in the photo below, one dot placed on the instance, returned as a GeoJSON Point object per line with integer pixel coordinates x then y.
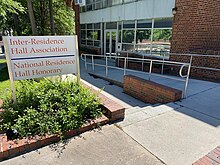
{"type": "Point", "coordinates": [41, 56]}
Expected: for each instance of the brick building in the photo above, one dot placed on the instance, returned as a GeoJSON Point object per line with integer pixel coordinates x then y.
{"type": "Point", "coordinates": [196, 29]}
{"type": "Point", "coordinates": [155, 27]}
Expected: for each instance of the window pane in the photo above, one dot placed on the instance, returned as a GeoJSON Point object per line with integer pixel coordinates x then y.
{"type": "Point", "coordinates": [89, 26]}
{"type": "Point", "coordinates": [128, 36]}
{"type": "Point", "coordinates": [143, 48]}
{"type": "Point", "coordinates": [97, 4]}
{"type": "Point", "coordinates": [163, 23]}
{"type": "Point", "coordinates": [127, 47]}
{"type": "Point", "coordinates": [119, 25]}
{"type": "Point", "coordinates": [82, 26]}
{"type": "Point", "coordinates": [119, 36]}
{"type": "Point", "coordinates": [97, 43]}
{"type": "Point", "coordinates": [97, 35]}
{"type": "Point", "coordinates": [126, 1]}
{"type": "Point", "coordinates": [161, 40]}
{"type": "Point", "coordinates": [115, 2]}
{"type": "Point", "coordinates": [83, 34]}
{"type": "Point", "coordinates": [163, 35]}
{"type": "Point", "coordinates": [90, 34]}
{"type": "Point", "coordinates": [105, 3]}
{"type": "Point", "coordinates": [144, 24]}
{"type": "Point", "coordinates": [128, 24]}
{"type": "Point", "coordinates": [89, 7]}
{"type": "Point", "coordinates": [83, 42]}
{"type": "Point", "coordinates": [111, 25]}
{"type": "Point", "coordinates": [143, 36]}
{"type": "Point", "coordinates": [90, 42]}
{"type": "Point", "coordinates": [97, 26]}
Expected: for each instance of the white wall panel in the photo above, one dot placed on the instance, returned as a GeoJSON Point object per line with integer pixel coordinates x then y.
{"type": "Point", "coordinates": [137, 10]}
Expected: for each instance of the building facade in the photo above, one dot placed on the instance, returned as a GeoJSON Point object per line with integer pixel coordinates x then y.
{"type": "Point", "coordinates": [196, 30]}
{"type": "Point", "coordinates": [156, 27]}
{"type": "Point", "coordinates": [143, 26]}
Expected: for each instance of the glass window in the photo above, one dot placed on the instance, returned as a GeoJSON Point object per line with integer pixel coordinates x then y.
{"type": "Point", "coordinates": [144, 24]}
{"type": "Point", "coordinates": [128, 36]}
{"type": "Point", "coordinates": [90, 34]}
{"type": "Point", "coordinates": [143, 36]}
{"type": "Point", "coordinates": [115, 2]}
{"type": "Point", "coordinates": [127, 47]}
{"type": "Point", "coordinates": [119, 25]}
{"type": "Point", "coordinates": [97, 43]}
{"type": "Point", "coordinates": [161, 41]}
{"type": "Point", "coordinates": [143, 48]}
{"type": "Point", "coordinates": [111, 25]}
{"type": "Point", "coordinates": [97, 4]}
{"type": "Point", "coordinates": [90, 42]}
{"type": "Point", "coordinates": [97, 35]}
{"type": "Point", "coordinates": [97, 26]}
{"type": "Point", "coordinates": [128, 24]}
{"type": "Point", "coordinates": [83, 42]}
{"type": "Point", "coordinates": [163, 23]}
{"type": "Point", "coordinates": [105, 3]}
{"type": "Point", "coordinates": [127, 1]}
{"type": "Point", "coordinates": [82, 26]}
{"type": "Point", "coordinates": [89, 7]}
{"type": "Point", "coordinates": [83, 34]}
{"type": "Point", "coordinates": [89, 26]}
{"type": "Point", "coordinates": [163, 35]}
{"type": "Point", "coordinates": [119, 36]}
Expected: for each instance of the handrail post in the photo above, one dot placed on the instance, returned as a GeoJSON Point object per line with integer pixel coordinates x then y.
{"type": "Point", "coordinates": [142, 62]}
{"type": "Point", "coordinates": [125, 66]}
{"type": "Point", "coordinates": [93, 66]}
{"type": "Point", "coordinates": [187, 78]}
{"type": "Point", "coordinates": [163, 63]}
{"type": "Point", "coordinates": [150, 71]}
{"type": "Point", "coordinates": [106, 66]}
{"type": "Point", "coordinates": [127, 60]}
{"type": "Point", "coordinates": [85, 62]}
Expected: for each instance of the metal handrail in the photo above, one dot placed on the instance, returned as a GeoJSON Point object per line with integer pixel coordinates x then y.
{"type": "Point", "coordinates": [180, 54]}
{"type": "Point", "coordinates": [126, 59]}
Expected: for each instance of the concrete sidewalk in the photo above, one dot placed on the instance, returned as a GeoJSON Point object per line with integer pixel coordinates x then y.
{"type": "Point", "coordinates": [177, 133]}
{"type": "Point", "coordinates": [100, 147]}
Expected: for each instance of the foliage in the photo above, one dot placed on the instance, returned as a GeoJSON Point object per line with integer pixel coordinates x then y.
{"type": "Point", "coordinates": [63, 18]}
{"type": "Point", "coordinates": [162, 34]}
{"type": "Point", "coordinates": [128, 36]}
{"type": "Point", "coordinates": [2, 61]}
{"type": "Point", "coordinates": [9, 7]}
{"type": "Point", "coordinates": [4, 81]}
{"type": "Point", "coordinates": [49, 107]}
{"type": "Point", "coordinates": [143, 35]}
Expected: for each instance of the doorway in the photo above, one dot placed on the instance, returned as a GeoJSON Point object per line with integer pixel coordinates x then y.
{"type": "Point", "coordinates": [110, 42]}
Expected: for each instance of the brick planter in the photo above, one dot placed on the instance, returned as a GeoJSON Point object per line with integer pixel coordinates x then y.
{"type": "Point", "coordinates": [9, 148]}
{"type": "Point", "coordinates": [150, 92]}
{"type": "Point", "coordinates": [113, 110]}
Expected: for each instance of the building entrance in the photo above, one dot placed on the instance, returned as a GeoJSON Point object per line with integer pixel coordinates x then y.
{"type": "Point", "coordinates": [110, 42]}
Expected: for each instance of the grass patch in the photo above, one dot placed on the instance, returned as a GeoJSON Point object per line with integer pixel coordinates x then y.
{"type": "Point", "coordinates": [2, 61]}
{"type": "Point", "coordinates": [4, 82]}
{"type": "Point", "coordinates": [48, 107]}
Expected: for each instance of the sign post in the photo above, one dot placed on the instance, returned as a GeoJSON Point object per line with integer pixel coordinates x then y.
{"type": "Point", "coordinates": [31, 57]}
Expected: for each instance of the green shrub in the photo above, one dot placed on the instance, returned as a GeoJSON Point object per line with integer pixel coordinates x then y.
{"type": "Point", "coordinates": [51, 107]}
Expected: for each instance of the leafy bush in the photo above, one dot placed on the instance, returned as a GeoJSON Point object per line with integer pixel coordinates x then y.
{"type": "Point", "coordinates": [51, 107]}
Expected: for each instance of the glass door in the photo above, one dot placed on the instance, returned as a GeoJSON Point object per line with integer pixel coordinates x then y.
{"type": "Point", "coordinates": [110, 42]}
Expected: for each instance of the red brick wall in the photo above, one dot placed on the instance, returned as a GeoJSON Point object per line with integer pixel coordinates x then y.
{"type": "Point", "coordinates": [150, 92]}
{"type": "Point", "coordinates": [196, 29]}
